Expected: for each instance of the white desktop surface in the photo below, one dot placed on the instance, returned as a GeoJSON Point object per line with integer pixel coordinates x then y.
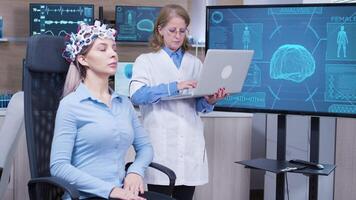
{"type": "Point", "coordinates": [226, 114]}
{"type": "Point", "coordinates": [216, 114]}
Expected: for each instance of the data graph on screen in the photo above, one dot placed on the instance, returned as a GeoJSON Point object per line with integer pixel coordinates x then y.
{"type": "Point", "coordinates": [135, 23]}
{"type": "Point", "coordinates": [304, 61]}
{"type": "Point", "coordinates": [59, 19]}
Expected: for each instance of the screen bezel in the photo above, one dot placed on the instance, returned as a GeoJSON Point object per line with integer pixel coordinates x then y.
{"type": "Point", "coordinates": [256, 110]}
{"type": "Point", "coordinates": [117, 27]}
{"type": "Point", "coordinates": [57, 4]}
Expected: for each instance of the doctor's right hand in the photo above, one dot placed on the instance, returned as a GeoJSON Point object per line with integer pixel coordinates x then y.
{"type": "Point", "coordinates": [187, 84]}
{"type": "Point", "coordinates": [123, 194]}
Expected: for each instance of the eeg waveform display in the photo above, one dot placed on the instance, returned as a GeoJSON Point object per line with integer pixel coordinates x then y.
{"type": "Point", "coordinates": [59, 19]}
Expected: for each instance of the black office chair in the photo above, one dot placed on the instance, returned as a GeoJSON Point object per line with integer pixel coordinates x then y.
{"type": "Point", "coordinates": [44, 76]}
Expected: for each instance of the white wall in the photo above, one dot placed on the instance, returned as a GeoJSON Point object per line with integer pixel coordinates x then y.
{"type": "Point", "coordinates": [197, 16]}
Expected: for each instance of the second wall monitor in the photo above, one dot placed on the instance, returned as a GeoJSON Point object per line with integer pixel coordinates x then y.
{"type": "Point", "coordinates": [135, 23]}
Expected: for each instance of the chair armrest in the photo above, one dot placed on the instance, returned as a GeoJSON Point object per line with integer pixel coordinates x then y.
{"type": "Point", "coordinates": [54, 181]}
{"type": "Point", "coordinates": [170, 173]}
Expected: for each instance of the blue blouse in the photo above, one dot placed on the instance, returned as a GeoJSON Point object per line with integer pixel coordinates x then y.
{"type": "Point", "coordinates": [91, 140]}
{"type": "Point", "coordinates": [176, 56]}
{"type": "Point", "coordinates": [147, 95]}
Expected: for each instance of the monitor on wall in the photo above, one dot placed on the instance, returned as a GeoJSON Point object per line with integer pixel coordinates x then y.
{"type": "Point", "coordinates": [59, 19]}
{"type": "Point", "coordinates": [1, 27]}
{"type": "Point", "coordinates": [304, 61]}
{"type": "Point", "coordinates": [135, 23]}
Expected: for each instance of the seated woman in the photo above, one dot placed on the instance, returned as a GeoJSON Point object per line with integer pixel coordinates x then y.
{"type": "Point", "coordinates": [94, 125]}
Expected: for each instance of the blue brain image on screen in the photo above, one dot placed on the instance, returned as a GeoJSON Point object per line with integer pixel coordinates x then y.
{"type": "Point", "coordinates": [292, 62]}
{"type": "Point", "coordinates": [145, 25]}
{"type": "Point", "coordinates": [304, 61]}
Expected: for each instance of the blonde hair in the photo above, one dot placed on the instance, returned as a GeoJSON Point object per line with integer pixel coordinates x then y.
{"type": "Point", "coordinates": [166, 14]}
{"type": "Point", "coordinates": [76, 73]}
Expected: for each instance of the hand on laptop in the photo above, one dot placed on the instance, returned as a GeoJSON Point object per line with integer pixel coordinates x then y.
{"type": "Point", "coordinates": [186, 84]}
{"type": "Point", "coordinates": [220, 94]}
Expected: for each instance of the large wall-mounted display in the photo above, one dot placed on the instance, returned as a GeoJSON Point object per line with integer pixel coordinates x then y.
{"type": "Point", "coordinates": [1, 27]}
{"type": "Point", "coordinates": [304, 61]}
{"type": "Point", "coordinates": [135, 23]}
{"type": "Point", "coordinates": [59, 19]}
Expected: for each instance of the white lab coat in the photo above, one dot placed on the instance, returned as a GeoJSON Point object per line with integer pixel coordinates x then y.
{"type": "Point", "coordinates": [175, 128]}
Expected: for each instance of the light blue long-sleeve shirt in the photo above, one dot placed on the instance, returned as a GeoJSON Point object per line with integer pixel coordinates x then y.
{"type": "Point", "coordinates": [91, 140]}
{"type": "Point", "coordinates": [153, 94]}
{"type": "Point", "coordinates": [176, 56]}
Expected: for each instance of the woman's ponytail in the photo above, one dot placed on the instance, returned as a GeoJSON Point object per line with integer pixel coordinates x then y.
{"type": "Point", "coordinates": [72, 81]}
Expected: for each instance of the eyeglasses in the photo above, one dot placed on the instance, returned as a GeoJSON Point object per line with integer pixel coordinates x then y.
{"type": "Point", "coordinates": [174, 31]}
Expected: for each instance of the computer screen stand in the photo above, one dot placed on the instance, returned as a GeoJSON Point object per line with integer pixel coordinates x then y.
{"type": "Point", "coordinates": [281, 153]}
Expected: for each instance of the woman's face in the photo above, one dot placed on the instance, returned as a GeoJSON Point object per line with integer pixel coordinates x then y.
{"type": "Point", "coordinates": [174, 33]}
{"type": "Point", "coordinates": [102, 57]}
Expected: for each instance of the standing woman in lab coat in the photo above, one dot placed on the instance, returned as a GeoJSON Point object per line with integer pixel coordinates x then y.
{"type": "Point", "coordinates": [175, 128]}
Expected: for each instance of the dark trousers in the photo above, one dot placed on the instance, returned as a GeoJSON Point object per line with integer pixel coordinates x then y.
{"type": "Point", "coordinates": [181, 192]}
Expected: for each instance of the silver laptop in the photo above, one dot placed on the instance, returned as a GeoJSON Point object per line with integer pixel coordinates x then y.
{"type": "Point", "coordinates": [222, 68]}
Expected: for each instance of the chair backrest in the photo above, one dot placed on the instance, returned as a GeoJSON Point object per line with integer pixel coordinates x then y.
{"type": "Point", "coordinates": [44, 76]}
{"type": "Point", "coordinates": [10, 132]}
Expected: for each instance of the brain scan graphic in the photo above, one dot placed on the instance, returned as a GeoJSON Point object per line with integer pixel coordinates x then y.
{"type": "Point", "coordinates": [292, 62]}
{"type": "Point", "coordinates": [145, 25]}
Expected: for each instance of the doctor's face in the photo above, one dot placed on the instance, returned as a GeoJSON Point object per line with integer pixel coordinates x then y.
{"type": "Point", "coordinates": [174, 33]}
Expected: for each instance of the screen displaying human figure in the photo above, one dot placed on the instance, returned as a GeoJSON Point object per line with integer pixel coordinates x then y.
{"type": "Point", "coordinates": [246, 37]}
{"type": "Point", "coordinates": [342, 41]}
{"type": "Point", "coordinates": [59, 19]}
{"type": "Point", "coordinates": [135, 23]}
{"type": "Point", "coordinates": [304, 61]}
